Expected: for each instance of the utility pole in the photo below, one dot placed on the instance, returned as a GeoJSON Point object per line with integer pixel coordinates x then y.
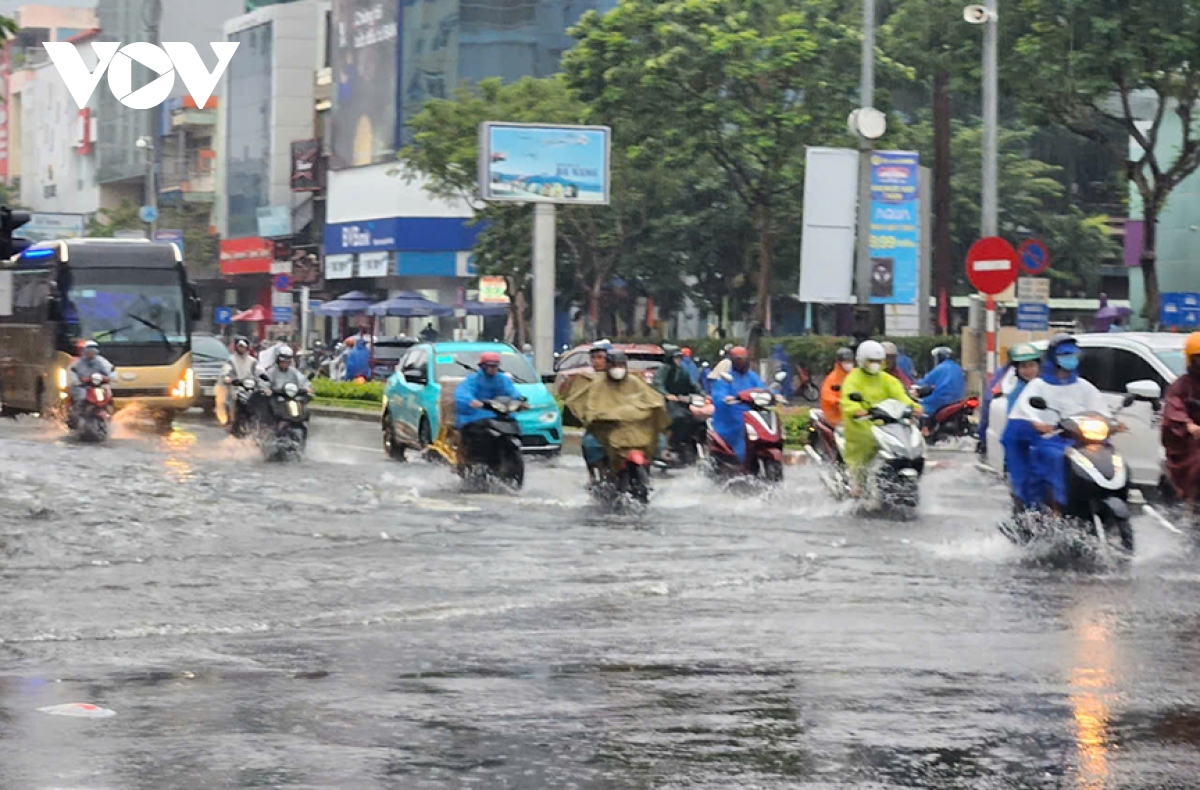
{"type": "Point", "coordinates": [990, 200]}
{"type": "Point", "coordinates": [866, 102]}
{"type": "Point", "coordinates": [151, 17]}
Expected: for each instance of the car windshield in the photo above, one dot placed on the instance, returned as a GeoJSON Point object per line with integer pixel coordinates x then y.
{"type": "Point", "coordinates": [127, 307]}
{"type": "Point", "coordinates": [390, 353]}
{"type": "Point", "coordinates": [1173, 360]}
{"type": "Point", "coordinates": [461, 363]}
{"type": "Point", "coordinates": [209, 348]}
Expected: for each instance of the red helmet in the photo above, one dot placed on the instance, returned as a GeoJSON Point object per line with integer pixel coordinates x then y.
{"type": "Point", "coordinates": [687, 352]}
{"type": "Point", "coordinates": [739, 352]}
{"type": "Point", "coordinates": [489, 358]}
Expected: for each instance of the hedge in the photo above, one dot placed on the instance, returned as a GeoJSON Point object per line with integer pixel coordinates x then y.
{"type": "Point", "coordinates": [816, 352]}
{"type": "Point", "coordinates": [348, 390]}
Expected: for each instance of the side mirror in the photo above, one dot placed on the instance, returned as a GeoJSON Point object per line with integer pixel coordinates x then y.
{"type": "Point", "coordinates": [855, 396]}
{"type": "Point", "coordinates": [781, 377]}
{"type": "Point", "coordinates": [549, 378]}
{"type": "Point", "coordinates": [1128, 400]}
{"type": "Point", "coordinates": [1144, 390]}
{"type": "Point", "coordinates": [54, 310]}
{"type": "Point", "coordinates": [196, 308]}
{"type": "Point", "coordinates": [1037, 402]}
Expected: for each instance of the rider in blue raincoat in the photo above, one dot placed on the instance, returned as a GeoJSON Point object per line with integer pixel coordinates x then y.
{"type": "Point", "coordinates": [727, 415]}
{"type": "Point", "coordinates": [1033, 452]}
{"type": "Point", "coordinates": [486, 384]}
{"type": "Point", "coordinates": [947, 379]}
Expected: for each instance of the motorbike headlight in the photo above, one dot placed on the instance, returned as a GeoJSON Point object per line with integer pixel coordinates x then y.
{"type": "Point", "coordinates": [248, 383]}
{"type": "Point", "coordinates": [1093, 430]}
{"type": "Point", "coordinates": [291, 390]}
{"type": "Point", "coordinates": [763, 399]}
{"type": "Point", "coordinates": [97, 379]}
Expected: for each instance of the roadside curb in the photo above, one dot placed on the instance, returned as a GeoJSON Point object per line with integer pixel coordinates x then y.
{"type": "Point", "coordinates": [361, 415]}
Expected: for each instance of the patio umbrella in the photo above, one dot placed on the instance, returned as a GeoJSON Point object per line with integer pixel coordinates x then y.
{"type": "Point", "coordinates": [408, 304]}
{"type": "Point", "coordinates": [256, 313]}
{"type": "Point", "coordinates": [353, 303]}
{"type": "Point", "coordinates": [487, 308]}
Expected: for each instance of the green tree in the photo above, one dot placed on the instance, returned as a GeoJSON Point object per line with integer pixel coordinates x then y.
{"type": "Point", "coordinates": [1114, 71]}
{"type": "Point", "coordinates": [200, 244]}
{"type": "Point", "coordinates": [744, 84]}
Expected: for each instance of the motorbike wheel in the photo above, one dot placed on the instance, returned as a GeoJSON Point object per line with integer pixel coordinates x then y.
{"type": "Point", "coordinates": [1122, 528]}
{"type": "Point", "coordinates": [392, 448]}
{"type": "Point", "coordinates": [512, 469]}
{"type": "Point", "coordinates": [810, 393]}
{"type": "Point", "coordinates": [638, 483]}
{"type": "Point", "coordinates": [772, 470]}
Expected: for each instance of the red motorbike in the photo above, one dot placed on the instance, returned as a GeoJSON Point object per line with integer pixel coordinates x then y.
{"type": "Point", "coordinates": [95, 412]}
{"type": "Point", "coordinates": [764, 440]}
{"type": "Point", "coordinates": [949, 422]}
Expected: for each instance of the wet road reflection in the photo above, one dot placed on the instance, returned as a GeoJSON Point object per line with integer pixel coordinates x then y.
{"type": "Point", "coordinates": [352, 622]}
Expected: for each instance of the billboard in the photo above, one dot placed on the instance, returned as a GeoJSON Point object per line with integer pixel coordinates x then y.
{"type": "Point", "coordinates": [250, 255]}
{"type": "Point", "coordinates": [895, 223]}
{"type": "Point", "coordinates": [366, 99]}
{"type": "Point", "coordinates": [830, 215]}
{"type": "Point", "coordinates": [306, 166]}
{"type": "Point", "coordinates": [527, 163]}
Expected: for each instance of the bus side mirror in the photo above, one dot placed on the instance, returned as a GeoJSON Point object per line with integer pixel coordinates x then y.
{"type": "Point", "coordinates": [54, 309]}
{"type": "Point", "coordinates": [195, 307]}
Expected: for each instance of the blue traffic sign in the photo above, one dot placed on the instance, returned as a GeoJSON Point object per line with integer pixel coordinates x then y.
{"type": "Point", "coordinates": [1033, 256]}
{"type": "Point", "coordinates": [1180, 310]}
{"type": "Point", "coordinates": [1033, 316]}
{"type": "Point", "coordinates": [222, 315]}
{"type": "Point", "coordinates": [148, 214]}
{"type": "Point", "coordinates": [281, 282]}
{"type": "Point", "coordinates": [281, 315]}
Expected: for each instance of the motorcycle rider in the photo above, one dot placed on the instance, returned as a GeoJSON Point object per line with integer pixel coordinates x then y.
{"type": "Point", "coordinates": [689, 366]}
{"type": "Point", "coordinates": [1008, 382]}
{"type": "Point", "coordinates": [284, 372]}
{"type": "Point", "coordinates": [948, 381]}
{"type": "Point", "coordinates": [1033, 452]}
{"type": "Point", "coordinates": [266, 358]}
{"type": "Point", "coordinates": [875, 385]}
{"type": "Point", "coordinates": [831, 388]}
{"type": "Point", "coordinates": [484, 385]}
{"type": "Point", "coordinates": [620, 413]}
{"type": "Point", "coordinates": [89, 363]}
{"type": "Point", "coordinates": [727, 418]}
{"type": "Point", "coordinates": [892, 364]}
{"type": "Point", "coordinates": [1181, 426]}
{"type": "Point", "coordinates": [239, 367]}
{"type": "Point", "coordinates": [673, 381]}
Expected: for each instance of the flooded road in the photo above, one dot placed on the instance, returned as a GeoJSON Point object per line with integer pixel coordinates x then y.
{"type": "Point", "coordinates": [350, 622]}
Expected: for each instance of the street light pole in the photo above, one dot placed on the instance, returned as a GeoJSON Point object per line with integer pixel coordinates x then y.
{"type": "Point", "coordinates": [866, 101]}
{"type": "Point", "coordinates": [990, 200]}
{"type": "Point", "coordinates": [152, 16]}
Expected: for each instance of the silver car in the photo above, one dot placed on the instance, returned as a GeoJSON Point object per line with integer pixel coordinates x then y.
{"type": "Point", "coordinates": [1112, 362]}
{"type": "Point", "coordinates": [209, 355]}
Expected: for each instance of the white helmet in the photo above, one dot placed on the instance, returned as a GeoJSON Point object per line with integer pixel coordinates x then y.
{"type": "Point", "coordinates": [285, 352]}
{"type": "Point", "coordinates": [870, 351]}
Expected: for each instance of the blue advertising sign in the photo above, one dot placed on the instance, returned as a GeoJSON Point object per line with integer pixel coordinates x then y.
{"type": "Point", "coordinates": [527, 163]}
{"type": "Point", "coordinates": [1180, 310]}
{"type": "Point", "coordinates": [222, 315]}
{"type": "Point", "coordinates": [895, 227]}
{"type": "Point", "coordinates": [281, 315]}
{"type": "Point", "coordinates": [415, 234]}
{"type": "Point", "coordinates": [1033, 317]}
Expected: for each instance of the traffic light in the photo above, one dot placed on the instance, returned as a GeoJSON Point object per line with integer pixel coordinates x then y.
{"type": "Point", "coordinates": [9, 222]}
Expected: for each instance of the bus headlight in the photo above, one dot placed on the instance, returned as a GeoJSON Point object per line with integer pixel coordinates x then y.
{"type": "Point", "coordinates": [62, 379]}
{"type": "Point", "coordinates": [186, 387]}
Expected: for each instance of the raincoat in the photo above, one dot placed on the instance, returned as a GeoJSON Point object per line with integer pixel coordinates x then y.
{"type": "Point", "coordinates": [831, 399]}
{"type": "Point", "coordinates": [622, 415]}
{"type": "Point", "coordinates": [82, 370]}
{"type": "Point", "coordinates": [1035, 463]}
{"type": "Point", "coordinates": [900, 376]}
{"type": "Point", "coordinates": [689, 366]}
{"type": "Point", "coordinates": [727, 418]}
{"type": "Point", "coordinates": [782, 365]}
{"type": "Point", "coordinates": [1181, 407]}
{"type": "Point", "coordinates": [994, 388]}
{"type": "Point", "coordinates": [358, 362]}
{"type": "Point", "coordinates": [714, 375]}
{"type": "Point", "coordinates": [949, 386]}
{"type": "Point", "coordinates": [673, 380]}
{"type": "Point", "coordinates": [482, 387]}
{"type": "Point", "coordinates": [875, 389]}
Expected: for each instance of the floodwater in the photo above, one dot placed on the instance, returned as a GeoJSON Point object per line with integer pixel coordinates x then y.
{"type": "Point", "coordinates": [351, 622]}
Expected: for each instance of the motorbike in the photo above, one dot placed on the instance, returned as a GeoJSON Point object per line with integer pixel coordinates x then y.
{"type": "Point", "coordinates": [764, 440]}
{"type": "Point", "coordinates": [93, 416]}
{"type": "Point", "coordinates": [629, 480]}
{"type": "Point", "coordinates": [1097, 478]}
{"type": "Point", "coordinates": [895, 473]}
{"type": "Point", "coordinates": [285, 434]}
{"type": "Point", "coordinates": [950, 422]}
{"type": "Point", "coordinates": [242, 416]}
{"type": "Point", "coordinates": [807, 388]}
{"type": "Point", "coordinates": [686, 442]}
{"type": "Point", "coordinates": [824, 448]}
{"type": "Point", "coordinates": [499, 458]}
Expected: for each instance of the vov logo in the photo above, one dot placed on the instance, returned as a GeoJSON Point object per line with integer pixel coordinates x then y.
{"type": "Point", "coordinates": [174, 56]}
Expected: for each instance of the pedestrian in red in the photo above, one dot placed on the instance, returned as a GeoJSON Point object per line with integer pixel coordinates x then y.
{"type": "Point", "coordinates": [1181, 426]}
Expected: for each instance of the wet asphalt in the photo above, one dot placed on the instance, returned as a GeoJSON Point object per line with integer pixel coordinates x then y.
{"type": "Point", "coordinates": [351, 622]}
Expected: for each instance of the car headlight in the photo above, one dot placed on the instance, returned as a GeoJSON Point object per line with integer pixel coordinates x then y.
{"type": "Point", "coordinates": [1093, 430]}
{"type": "Point", "coordinates": [62, 378]}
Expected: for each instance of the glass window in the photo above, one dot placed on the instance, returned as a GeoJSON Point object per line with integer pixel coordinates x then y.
{"type": "Point", "coordinates": [464, 363]}
{"type": "Point", "coordinates": [576, 360]}
{"type": "Point", "coordinates": [1129, 367]}
{"type": "Point", "coordinates": [127, 307]}
{"type": "Point", "coordinates": [1174, 361]}
{"type": "Point", "coordinates": [365, 51]}
{"type": "Point", "coordinates": [31, 292]}
{"type": "Point", "coordinates": [249, 132]}
{"type": "Point", "coordinates": [209, 348]}
{"type": "Point", "coordinates": [1095, 365]}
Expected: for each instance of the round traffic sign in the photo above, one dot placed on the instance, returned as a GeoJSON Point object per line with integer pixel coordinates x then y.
{"type": "Point", "coordinates": [281, 282]}
{"type": "Point", "coordinates": [148, 214]}
{"type": "Point", "coordinates": [992, 265]}
{"type": "Point", "coordinates": [1033, 256]}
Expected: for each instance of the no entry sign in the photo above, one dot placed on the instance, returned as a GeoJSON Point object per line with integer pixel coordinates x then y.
{"type": "Point", "coordinates": [992, 265]}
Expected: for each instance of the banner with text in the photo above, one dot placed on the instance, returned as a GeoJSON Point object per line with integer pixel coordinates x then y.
{"type": "Point", "coordinates": [895, 227]}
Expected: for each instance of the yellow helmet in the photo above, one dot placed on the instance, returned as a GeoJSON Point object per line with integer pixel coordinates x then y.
{"type": "Point", "coordinates": [1191, 345]}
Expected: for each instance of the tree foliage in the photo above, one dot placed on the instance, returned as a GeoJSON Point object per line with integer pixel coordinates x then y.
{"type": "Point", "coordinates": [1116, 70]}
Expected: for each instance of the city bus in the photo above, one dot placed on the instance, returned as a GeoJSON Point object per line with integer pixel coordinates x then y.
{"type": "Point", "coordinates": [131, 296]}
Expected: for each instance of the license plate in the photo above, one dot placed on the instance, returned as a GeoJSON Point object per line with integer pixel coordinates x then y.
{"type": "Point", "coordinates": [208, 391]}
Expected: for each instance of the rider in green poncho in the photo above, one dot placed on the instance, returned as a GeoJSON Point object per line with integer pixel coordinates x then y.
{"type": "Point", "coordinates": [875, 386]}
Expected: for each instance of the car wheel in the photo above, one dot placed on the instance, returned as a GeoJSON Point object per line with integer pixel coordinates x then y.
{"type": "Point", "coordinates": [424, 436]}
{"type": "Point", "coordinates": [391, 447]}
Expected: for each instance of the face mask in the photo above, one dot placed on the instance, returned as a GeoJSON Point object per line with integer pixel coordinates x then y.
{"type": "Point", "coordinates": [617, 373]}
{"type": "Point", "coordinates": [874, 367]}
{"type": "Point", "coordinates": [1068, 362]}
{"type": "Point", "coordinates": [847, 366]}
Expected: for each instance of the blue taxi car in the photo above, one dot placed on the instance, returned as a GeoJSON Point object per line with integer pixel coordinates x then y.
{"type": "Point", "coordinates": [412, 396]}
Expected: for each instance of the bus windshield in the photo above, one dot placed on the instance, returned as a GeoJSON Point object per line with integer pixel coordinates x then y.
{"type": "Point", "coordinates": [127, 307]}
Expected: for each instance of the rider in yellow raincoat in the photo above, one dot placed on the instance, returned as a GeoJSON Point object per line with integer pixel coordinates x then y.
{"type": "Point", "coordinates": [875, 385]}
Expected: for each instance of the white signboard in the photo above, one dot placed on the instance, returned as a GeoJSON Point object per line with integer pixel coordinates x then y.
{"type": "Point", "coordinates": [830, 217]}
{"type": "Point", "coordinates": [373, 264]}
{"type": "Point", "coordinates": [6, 293]}
{"type": "Point", "coordinates": [281, 298]}
{"type": "Point", "coordinates": [339, 267]}
{"type": "Point", "coordinates": [281, 267]}
{"type": "Point", "coordinates": [1033, 289]}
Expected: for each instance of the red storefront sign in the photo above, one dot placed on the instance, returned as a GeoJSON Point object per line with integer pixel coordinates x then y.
{"type": "Point", "coordinates": [247, 256]}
